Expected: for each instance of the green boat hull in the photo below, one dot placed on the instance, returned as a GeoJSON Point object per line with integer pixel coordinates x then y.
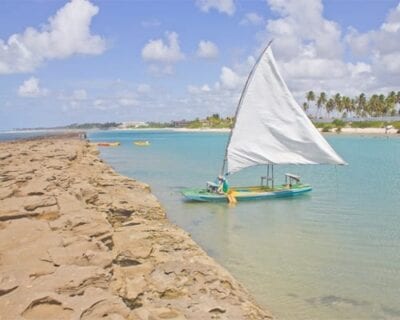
{"type": "Point", "coordinates": [247, 193]}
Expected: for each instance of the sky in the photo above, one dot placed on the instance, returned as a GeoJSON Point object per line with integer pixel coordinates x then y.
{"type": "Point", "coordinates": [78, 61]}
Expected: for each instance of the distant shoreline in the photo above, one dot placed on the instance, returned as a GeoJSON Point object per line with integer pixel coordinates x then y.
{"type": "Point", "coordinates": [362, 131]}
{"type": "Point", "coordinates": [355, 131]}
{"type": "Point", "coordinates": [379, 131]}
{"type": "Point", "coordinates": [178, 129]}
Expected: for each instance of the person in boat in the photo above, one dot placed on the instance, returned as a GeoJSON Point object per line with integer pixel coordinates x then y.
{"type": "Point", "coordinates": [223, 186]}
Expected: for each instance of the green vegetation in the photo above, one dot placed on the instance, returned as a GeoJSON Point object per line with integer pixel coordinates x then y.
{"type": "Point", "coordinates": [213, 121]}
{"type": "Point", "coordinates": [326, 129]}
{"type": "Point", "coordinates": [368, 124]}
{"type": "Point", "coordinates": [358, 106]}
{"type": "Point", "coordinates": [159, 125]}
{"type": "Point", "coordinates": [338, 123]}
{"type": "Point", "coordinates": [375, 124]}
{"type": "Point", "coordinates": [86, 126]}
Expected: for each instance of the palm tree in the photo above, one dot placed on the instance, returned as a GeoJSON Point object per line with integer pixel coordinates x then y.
{"type": "Point", "coordinates": [398, 99]}
{"type": "Point", "coordinates": [390, 103]}
{"type": "Point", "coordinates": [381, 105]}
{"type": "Point", "coordinates": [346, 103]}
{"type": "Point", "coordinates": [310, 96]}
{"type": "Point", "coordinates": [321, 100]}
{"type": "Point", "coordinates": [373, 105]}
{"type": "Point", "coordinates": [338, 102]}
{"type": "Point", "coordinates": [305, 106]}
{"type": "Point", "coordinates": [352, 106]}
{"type": "Point", "coordinates": [361, 104]}
{"type": "Point", "coordinates": [330, 106]}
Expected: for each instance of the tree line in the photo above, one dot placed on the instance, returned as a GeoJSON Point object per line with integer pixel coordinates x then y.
{"type": "Point", "coordinates": [342, 106]}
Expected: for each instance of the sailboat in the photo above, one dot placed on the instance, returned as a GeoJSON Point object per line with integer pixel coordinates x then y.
{"type": "Point", "coordinates": [270, 129]}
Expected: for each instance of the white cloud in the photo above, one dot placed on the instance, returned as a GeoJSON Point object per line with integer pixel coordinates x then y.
{"type": "Point", "coordinates": [143, 88]}
{"type": "Point", "coordinates": [127, 102]}
{"type": "Point", "coordinates": [383, 45]}
{"type": "Point", "coordinates": [303, 32]}
{"type": "Point", "coordinates": [31, 88]}
{"type": "Point", "coordinates": [252, 18]}
{"type": "Point", "coordinates": [161, 70]}
{"type": "Point", "coordinates": [67, 33]}
{"type": "Point", "coordinates": [158, 51]}
{"type": "Point", "coordinates": [207, 50]}
{"type": "Point", "coordinates": [359, 68]}
{"type": "Point", "coordinates": [114, 100]}
{"type": "Point", "coordinates": [223, 6]}
{"type": "Point", "coordinates": [75, 100]}
{"type": "Point", "coordinates": [198, 90]}
{"type": "Point", "coordinates": [205, 99]}
{"type": "Point", "coordinates": [163, 55]}
{"type": "Point", "coordinates": [392, 23]}
{"type": "Point", "coordinates": [230, 79]}
{"type": "Point", "coordinates": [310, 50]}
{"type": "Point", "coordinates": [223, 96]}
{"type": "Point", "coordinates": [79, 94]}
{"type": "Point", "coordinates": [314, 68]}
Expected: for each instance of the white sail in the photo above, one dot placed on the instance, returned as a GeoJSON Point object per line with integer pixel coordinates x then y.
{"type": "Point", "coordinates": [271, 128]}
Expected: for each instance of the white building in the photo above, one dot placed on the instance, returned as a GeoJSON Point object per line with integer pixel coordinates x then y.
{"type": "Point", "coordinates": [133, 124]}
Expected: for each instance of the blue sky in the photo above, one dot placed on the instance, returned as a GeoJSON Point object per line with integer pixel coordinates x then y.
{"type": "Point", "coordinates": [86, 61]}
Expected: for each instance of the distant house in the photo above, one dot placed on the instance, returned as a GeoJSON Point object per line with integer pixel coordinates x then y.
{"type": "Point", "coordinates": [180, 124]}
{"type": "Point", "coordinates": [133, 124]}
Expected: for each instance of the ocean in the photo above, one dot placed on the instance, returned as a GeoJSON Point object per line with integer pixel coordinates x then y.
{"type": "Point", "coordinates": [332, 254]}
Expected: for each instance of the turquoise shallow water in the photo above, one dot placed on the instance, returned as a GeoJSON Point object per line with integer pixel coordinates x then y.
{"type": "Point", "coordinates": [333, 254]}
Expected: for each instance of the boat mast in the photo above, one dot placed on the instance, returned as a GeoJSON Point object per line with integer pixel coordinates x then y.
{"type": "Point", "coordinates": [269, 177]}
{"type": "Point", "coordinates": [240, 104]}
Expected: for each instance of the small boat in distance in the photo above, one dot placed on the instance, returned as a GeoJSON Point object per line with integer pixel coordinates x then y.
{"type": "Point", "coordinates": [107, 144]}
{"type": "Point", "coordinates": [141, 143]}
{"type": "Point", "coordinates": [270, 128]}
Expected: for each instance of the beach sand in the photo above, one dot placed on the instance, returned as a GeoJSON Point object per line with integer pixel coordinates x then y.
{"type": "Point", "coordinates": [356, 131]}
{"type": "Point", "coordinates": [79, 241]}
{"type": "Point", "coordinates": [369, 131]}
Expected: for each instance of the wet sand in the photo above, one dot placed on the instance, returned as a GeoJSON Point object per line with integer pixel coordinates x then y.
{"type": "Point", "coordinates": [79, 241]}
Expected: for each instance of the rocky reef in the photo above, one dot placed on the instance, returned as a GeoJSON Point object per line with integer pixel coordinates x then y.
{"type": "Point", "coordinates": [79, 241]}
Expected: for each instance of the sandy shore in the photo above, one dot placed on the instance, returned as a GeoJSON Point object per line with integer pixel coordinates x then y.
{"type": "Point", "coordinates": [357, 131]}
{"type": "Point", "coordinates": [363, 131]}
{"type": "Point", "coordinates": [79, 241]}
{"type": "Point", "coordinates": [369, 131]}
